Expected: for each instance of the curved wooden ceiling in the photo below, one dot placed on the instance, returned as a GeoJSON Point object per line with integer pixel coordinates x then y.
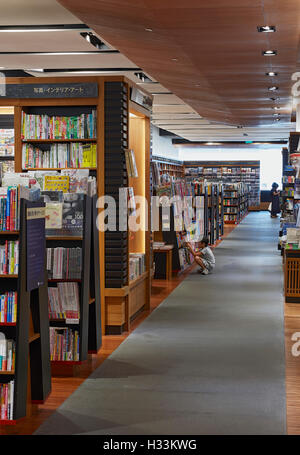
{"type": "Point", "coordinates": [219, 68]}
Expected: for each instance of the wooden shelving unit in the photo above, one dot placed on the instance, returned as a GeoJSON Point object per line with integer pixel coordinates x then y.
{"type": "Point", "coordinates": [115, 131]}
{"type": "Point", "coordinates": [31, 375]}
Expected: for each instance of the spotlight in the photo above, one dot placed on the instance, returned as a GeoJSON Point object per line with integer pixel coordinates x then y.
{"type": "Point", "coordinates": [93, 40]}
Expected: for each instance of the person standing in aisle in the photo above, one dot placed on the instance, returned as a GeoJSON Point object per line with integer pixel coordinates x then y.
{"type": "Point", "coordinates": [275, 206]}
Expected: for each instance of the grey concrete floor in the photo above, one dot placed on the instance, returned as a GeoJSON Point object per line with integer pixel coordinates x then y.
{"type": "Point", "coordinates": [209, 360]}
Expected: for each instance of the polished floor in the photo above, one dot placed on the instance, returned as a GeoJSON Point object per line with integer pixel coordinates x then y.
{"type": "Point", "coordinates": [209, 360]}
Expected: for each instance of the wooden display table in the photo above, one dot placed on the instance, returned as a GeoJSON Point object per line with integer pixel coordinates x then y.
{"type": "Point", "coordinates": [167, 250]}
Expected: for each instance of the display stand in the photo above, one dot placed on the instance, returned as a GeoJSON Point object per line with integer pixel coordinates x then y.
{"type": "Point", "coordinates": [32, 379]}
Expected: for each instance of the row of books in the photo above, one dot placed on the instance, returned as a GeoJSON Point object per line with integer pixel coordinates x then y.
{"type": "Point", "coordinates": [9, 208]}
{"type": "Point", "coordinates": [230, 210]}
{"type": "Point", "coordinates": [137, 265]}
{"type": "Point", "coordinates": [230, 201]}
{"type": "Point", "coordinates": [59, 127]}
{"type": "Point", "coordinates": [64, 263]}
{"type": "Point", "coordinates": [9, 257]}
{"type": "Point", "coordinates": [7, 353]}
{"type": "Point", "coordinates": [288, 179]}
{"type": "Point", "coordinates": [8, 307]}
{"type": "Point", "coordinates": [7, 400]}
{"type": "Point", "coordinates": [63, 301]}
{"type": "Point", "coordinates": [74, 155]}
{"type": "Point", "coordinates": [230, 217]}
{"type": "Point", "coordinates": [64, 344]}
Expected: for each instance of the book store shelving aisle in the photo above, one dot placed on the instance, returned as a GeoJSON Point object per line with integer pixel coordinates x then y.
{"type": "Point", "coordinates": [44, 143]}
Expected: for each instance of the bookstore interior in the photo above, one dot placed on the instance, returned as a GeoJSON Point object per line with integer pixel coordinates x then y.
{"type": "Point", "coordinates": [115, 167]}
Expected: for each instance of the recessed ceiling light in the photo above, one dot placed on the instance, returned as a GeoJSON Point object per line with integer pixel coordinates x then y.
{"type": "Point", "coordinates": [277, 120]}
{"type": "Point", "coordinates": [175, 59]}
{"type": "Point", "coordinates": [266, 28]}
{"type": "Point", "coordinates": [271, 73]}
{"type": "Point", "coordinates": [276, 115]}
{"type": "Point", "coordinates": [274, 99]}
{"type": "Point", "coordinates": [148, 30]}
{"type": "Point", "coordinates": [269, 52]}
{"type": "Point", "coordinates": [276, 108]}
{"type": "Point", "coordinates": [272, 89]}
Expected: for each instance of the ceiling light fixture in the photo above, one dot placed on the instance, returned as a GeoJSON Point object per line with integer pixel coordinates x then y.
{"type": "Point", "coordinates": [266, 28]}
{"type": "Point", "coordinates": [269, 52]}
{"type": "Point", "coordinates": [174, 59]}
{"type": "Point", "coordinates": [271, 73]}
{"type": "Point", "coordinates": [94, 40]}
{"type": "Point", "coordinates": [276, 108]}
{"type": "Point", "coordinates": [273, 88]}
{"type": "Point", "coordinates": [43, 28]}
{"type": "Point", "coordinates": [274, 99]}
{"type": "Point", "coordinates": [148, 30]}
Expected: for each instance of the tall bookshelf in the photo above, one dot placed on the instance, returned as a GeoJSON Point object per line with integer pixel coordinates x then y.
{"type": "Point", "coordinates": [30, 330]}
{"type": "Point", "coordinates": [111, 98]}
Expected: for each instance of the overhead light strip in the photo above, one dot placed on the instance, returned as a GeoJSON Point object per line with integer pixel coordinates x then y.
{"type": "Point", "coordinates": [110, 51]}
{"type": "Point", "coordinates": [43, 28]}
{"type": "Point", "coordinates": [81, 70]}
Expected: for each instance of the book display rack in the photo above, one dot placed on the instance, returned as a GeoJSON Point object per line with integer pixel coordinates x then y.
{"type": "Point", "coordinates": [69, 327]}
{"type": "Point", "coordinates": [164, 166]}
{"type": "Point", "coordinates": [25, 370]}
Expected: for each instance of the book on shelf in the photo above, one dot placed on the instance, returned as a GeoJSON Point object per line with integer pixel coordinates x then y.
{"type": "Point", "coordinates": [130, 163]}
{"type": "Point", "coordinates": [63, 302]}
{"type": "Point", "coordinates": [8, 307]}
{"type": "Point", "coordinates": [43, 126]}
{"type": "Point", "coordinates": [78, 180]}
{"type": "Point", "coordinates": [9, 257]}
{"type": "Point", "coordinates": [64, 344]}
{"type": "Point", "coordinates": [64, 263]}
{"type": "Point", "coordinates": [56, 183]}
{"type": "Point", "coordinates": [7, 400]}
{"type": "Point", "coordinates": [74, 155]}
{"type": "Point", "coordinates": [7, 353]}
{"type": "Point", "coordinates": [7, 142]}
{"type": "Point", "coordinates": [137, 265]}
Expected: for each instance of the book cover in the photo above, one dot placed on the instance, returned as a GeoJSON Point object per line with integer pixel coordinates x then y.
{"type": "Point", "coordinates": [56, 183]}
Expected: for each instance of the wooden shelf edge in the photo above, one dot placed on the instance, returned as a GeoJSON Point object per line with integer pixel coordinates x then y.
{"type": "Point", "coordinates": [138, 280]}
{"type": "Point", "coordinates": [56, 168]}
{"type": "Point", "coordinates": [60, 140]}
{"type": "Point", "coordinates": [7, 372]}
{"type": "Point", "coordinates": [66, 362]}
{"type": "Point", "coordinates": [116, 292]}
{"type": "Point", "coordinates": [8, 324]}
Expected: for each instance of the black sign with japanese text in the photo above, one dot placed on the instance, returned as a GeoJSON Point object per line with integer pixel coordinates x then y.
{"type": "Point", "coordinates": [62, 90]}
{"type": "Point", "coordinates": [36, 244]}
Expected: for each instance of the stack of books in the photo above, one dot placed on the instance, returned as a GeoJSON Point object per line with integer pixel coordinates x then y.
{"type": "Point", "coordinates": [7, 400]}
{"type": "Point", "coordinates": [8, 307]}
{"type": "Point", "coordinates": [64, 263]}
{"type": "Point", "coordinates": [9, 258]}
{"type": "Point", "coordinates": [7, 353]}
{"type": "Point", "coordinates": [63, 301]}
{"type": "Point", "coordinates": [64, 344]}
{"type": "Point", "coordinates": [55, 127]}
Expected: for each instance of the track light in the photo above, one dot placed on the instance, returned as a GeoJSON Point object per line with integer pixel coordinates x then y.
{"type": "Point", "coordinates": [93, 40]}
{"type": "Point", "coordinates": [269, 52]}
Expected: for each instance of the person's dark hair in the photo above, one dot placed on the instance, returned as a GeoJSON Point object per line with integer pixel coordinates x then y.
{"type": "Point", "coordinates": [274, 185]}
{"type": "Point", "coordinates": [205, 241]}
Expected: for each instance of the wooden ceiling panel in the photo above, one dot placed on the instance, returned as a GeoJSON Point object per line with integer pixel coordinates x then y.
{"type": "Point", "coordinates": [219, 68]}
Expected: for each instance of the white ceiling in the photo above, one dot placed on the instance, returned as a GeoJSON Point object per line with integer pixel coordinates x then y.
{"type": "Point", "coordinates": [169, 111]}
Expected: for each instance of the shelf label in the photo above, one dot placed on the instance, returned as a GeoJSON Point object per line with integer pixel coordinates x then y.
{"type": "Point", "coordinates": [59, 90]}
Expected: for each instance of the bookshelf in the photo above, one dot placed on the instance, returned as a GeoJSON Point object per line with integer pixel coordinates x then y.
{"type": "Point", "coordinates": [76, 326]}
{"type": "Point", "coordinates": [127, 128]}
{"type": "Point", "coordinates": [161, 166]}
{"type": "Point", "coordinates": [236, 202]}
{"type": "Point", "coordinates": [30, 332]}
{"type": "Point", "coordinates": [227, 172]}
{"type": "Point", "coordinates": [110, 97]}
